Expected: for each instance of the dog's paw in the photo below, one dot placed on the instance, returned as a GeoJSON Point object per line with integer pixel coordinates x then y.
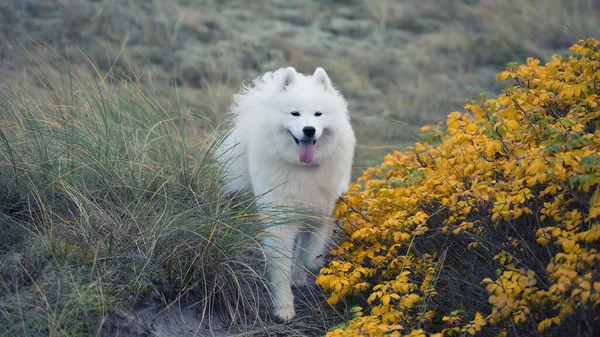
{"type": "Point", "coordinates": [285, 312]}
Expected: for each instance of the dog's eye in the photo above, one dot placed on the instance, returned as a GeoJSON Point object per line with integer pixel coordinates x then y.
{"type": "Point", "coordinates": [318, 113]}
{"type": "Point", "coordinates": [295, 113]}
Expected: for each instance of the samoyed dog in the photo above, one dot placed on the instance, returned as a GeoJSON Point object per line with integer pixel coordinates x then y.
{"type": "Point", "coordinates": [291, 144]}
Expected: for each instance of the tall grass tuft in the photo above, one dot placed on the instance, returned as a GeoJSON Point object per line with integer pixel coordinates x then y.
{"type": "Point", "coordinates": [106, 203]}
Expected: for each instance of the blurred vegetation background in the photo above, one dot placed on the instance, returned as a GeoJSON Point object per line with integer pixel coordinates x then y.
{"type": "Point", "coordinates": [400, 64]}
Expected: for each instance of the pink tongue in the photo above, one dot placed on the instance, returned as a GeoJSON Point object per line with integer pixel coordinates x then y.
{"type": "Point", "coordinates": [306, 151]}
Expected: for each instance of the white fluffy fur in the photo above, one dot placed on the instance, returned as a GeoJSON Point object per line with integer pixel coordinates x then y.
{"type": "Point", "coordinates": [261, 154]}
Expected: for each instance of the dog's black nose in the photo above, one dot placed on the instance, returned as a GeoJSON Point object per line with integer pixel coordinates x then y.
{"type": "Point", "coordinates": [309, 131]}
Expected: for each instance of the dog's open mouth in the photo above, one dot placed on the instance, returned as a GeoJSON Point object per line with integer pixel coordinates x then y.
{"type": "Point", "coordinates": [306, 148]}
{"type": "Point", "coordinates": [298, 142]}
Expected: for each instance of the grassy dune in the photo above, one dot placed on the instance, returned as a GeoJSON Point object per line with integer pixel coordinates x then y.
{"type": "Point", "coordinates": [109, 211]}
{"type": "Point", "coordinates": [112, 217]}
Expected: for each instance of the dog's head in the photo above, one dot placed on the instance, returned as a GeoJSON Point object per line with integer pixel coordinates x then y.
{"type": "Point", "coordinates": [311, 117]}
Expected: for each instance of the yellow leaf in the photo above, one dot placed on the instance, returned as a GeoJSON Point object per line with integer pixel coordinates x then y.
{"type": "Point", "coordinates": [452, 121]}
{"type": "Point", "coordinates": [567, 93]}
{"type": "Point", "coordinates": [411, 299]}
{"type": "Point", "coordinates": [537, 166]}
{"type": "Point", "coordinates": [531, 181]}
{"type": "Point", "coordinates": [513, 124]}
{"type": "Point", "coordinates": [522, 281]}
{"type": "Point", "coordinates": [503, 76]}
{"type": "Point", "coordinates": [543, 325]}
{"type": "Point", "coordinates": [431, 314]}
{"type": "Point", "coordinates": [585, 296]}
{"type": "Point", "coordinates": [568, 245]}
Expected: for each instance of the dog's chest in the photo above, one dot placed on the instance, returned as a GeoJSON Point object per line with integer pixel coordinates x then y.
{"type": "Point", "coordinates": [314, 187]}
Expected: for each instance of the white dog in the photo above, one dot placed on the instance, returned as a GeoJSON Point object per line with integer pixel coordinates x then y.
{"type": "Point", "coordinates": [293, 144]}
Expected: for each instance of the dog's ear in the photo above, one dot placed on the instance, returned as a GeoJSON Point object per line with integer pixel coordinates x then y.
{"type": "Point", "coordinates": [289, 77]}
{"type": "Point", "coordinates": [322, 78]}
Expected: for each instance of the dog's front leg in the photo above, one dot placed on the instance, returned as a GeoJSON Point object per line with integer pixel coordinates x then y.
{"type": "Point", "coordinates": [315, 245]}
{"type": "Point", "coordinates": [279, 247]}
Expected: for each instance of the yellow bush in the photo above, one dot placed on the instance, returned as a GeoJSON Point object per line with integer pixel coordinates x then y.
{"type": "Point", "coordinates": [510, 190]}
